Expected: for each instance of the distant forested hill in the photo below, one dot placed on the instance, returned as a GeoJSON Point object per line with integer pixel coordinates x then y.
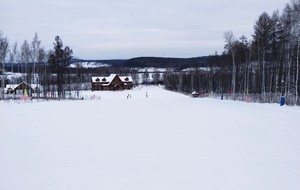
{"type": "Point", "coordinates": [160, 62]}
{"type": "Point", "coordinates": [107, 61]}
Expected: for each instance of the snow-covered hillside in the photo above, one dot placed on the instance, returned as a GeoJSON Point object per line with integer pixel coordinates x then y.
{"type": "Point", "coordinates": [165, 141]}
{"type": "Point", "coordinates": [89, 65]}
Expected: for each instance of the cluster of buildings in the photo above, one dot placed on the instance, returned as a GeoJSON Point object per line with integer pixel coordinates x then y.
{"type": "Point", "coordinates": [113, 82]}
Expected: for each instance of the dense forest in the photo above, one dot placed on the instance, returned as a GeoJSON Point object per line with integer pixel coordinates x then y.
{"type": "Point", "coordinates": [161, 62]}
{"type": "Point", "coordinates": [263, 68]}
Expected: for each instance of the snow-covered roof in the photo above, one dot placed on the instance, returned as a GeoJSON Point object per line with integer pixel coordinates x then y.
{"type": "Point", "coordinates": [195, 93]}
{"type": "Point", "coordinates": [14, 86]}
{"type": "Point", "coordinates": [11, 86]}
{"type": "Point", "coordinates": [104, 79]}
{"type": "Point", "coordinates": [126, 78]}
{"type": "Point", "coordinates": [98, 79]}
{"type": "Point", "coordinates": [107, 80]}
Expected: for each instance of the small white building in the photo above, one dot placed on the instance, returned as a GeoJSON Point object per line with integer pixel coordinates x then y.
{"type": "Point", "coordinates": [195, 94]}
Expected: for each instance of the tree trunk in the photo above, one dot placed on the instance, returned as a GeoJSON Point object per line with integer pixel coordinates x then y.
{"type": "Point", "coordinates": [2, 79]}
{"type": "Point", "coordinates": [288, 78]}
{"type": "Point", "coordinates": [297, 73]}
{"type": "Point", "coordinates": [263, 85]}
{"type": "Point", "coordinates": [233, 75]}
{"type": "Point", "coordinates": [245, 78]}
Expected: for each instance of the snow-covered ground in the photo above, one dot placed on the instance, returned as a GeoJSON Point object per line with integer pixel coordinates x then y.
{"type": "Point", "coordinates": [89, 65]}
{"type": "Point", "coordinates": [165, 141]}
{"type": "Point", "coordinates": [153, 69]}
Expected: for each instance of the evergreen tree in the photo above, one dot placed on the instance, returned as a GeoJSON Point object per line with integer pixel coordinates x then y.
{"type": "Point", "coordinates": [59, 58]}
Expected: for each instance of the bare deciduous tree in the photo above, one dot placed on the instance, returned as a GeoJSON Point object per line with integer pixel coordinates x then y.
{"type": "Point", "coordinates": [230, 46]}
{"type": "Point", "coordinates": [3, 52]}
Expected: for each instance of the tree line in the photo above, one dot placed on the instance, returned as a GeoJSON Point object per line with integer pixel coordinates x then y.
{"type": "Point", "coordinates": [265, 67]}
{"type": "Point", "coordinates": [163, 62]}
{"type": "Point", "coordinates": [48, 68]}
{"type": "Point", "coordinates": [35, 65]}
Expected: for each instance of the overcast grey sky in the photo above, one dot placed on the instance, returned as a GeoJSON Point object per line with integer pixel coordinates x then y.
{"type": "Point", "coordinates": [105, 29]}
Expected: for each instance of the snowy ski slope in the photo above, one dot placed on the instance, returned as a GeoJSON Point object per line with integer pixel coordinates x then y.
{"type": "Point", "coordinates": [167, 141]}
